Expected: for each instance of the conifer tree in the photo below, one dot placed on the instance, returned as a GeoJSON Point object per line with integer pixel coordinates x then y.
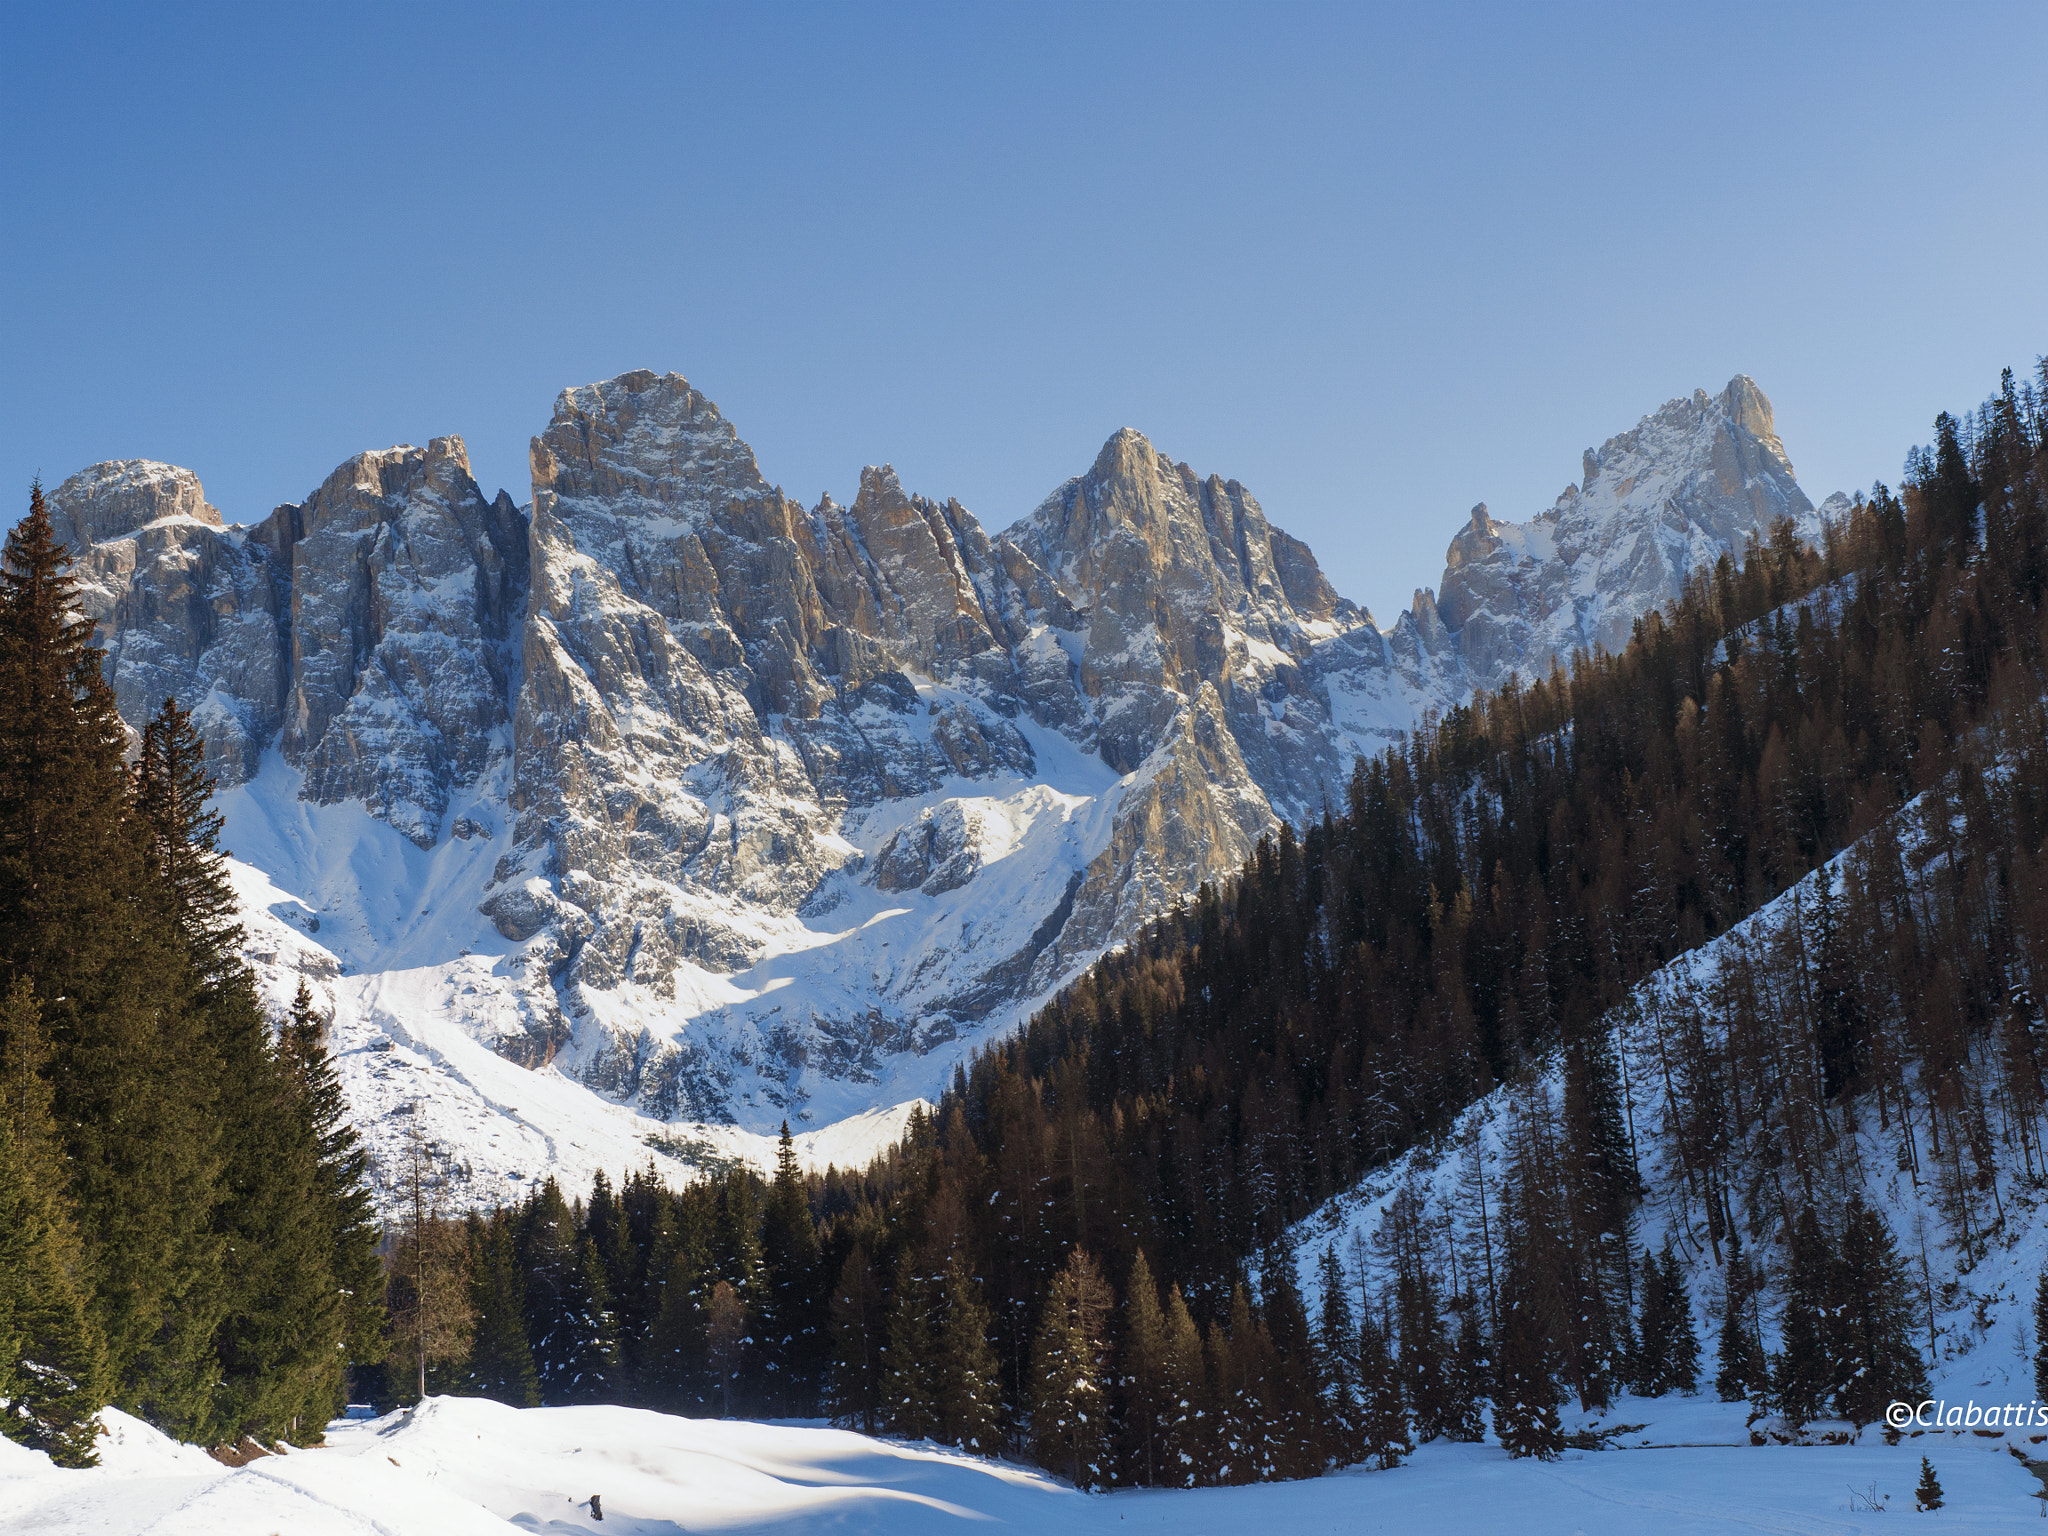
{"type": "Point", "coordinates": [725, 1339]}
{"type": "Point", "coordinates": [2041, 1335]}
{"type": "Point", "coordinates": [1738, 1357]}
{"type": "Point", "coordinates": [909, 1406]}
{"type": "Point", "coordinates": [1387, 1438]}
{"type": "Point", "coordinates": [1871, 1321]}
{"type": "Point", "coordinates": [1656, 1320]}
{"type": "Point", "coordinates": [1803, 1378]}
{"type": "Point", "coordinates": [1683, 1373]}
{"type": "Point", "coordinates": [674, 1371]}
{"type": "Point", "coordinates": [966, 1394]}
{"type": "Point", "coordinates": [1469, 1378]}
{"type": "Point", "coordinates": [427, 1291]}
{"type": "Point", "coordinates": [1069, 1374]}
{"type": "Point", "coordinates": [1294, 1412]}
{"type": "Point", "coordinates": [53, 1362]}
{"type": "Point", "coordinates": [789, 1331]}
{"type": "Point", "coordinates": [857, 1339]}
{"type": "Point", "coordinates": [1525, 1395]}
{"type": "Point", "coordinates": [84, 919]}
{"type": "Point", "coordinates": [1337, 1344]}
{"type": "Point", "coordinates": [1425, 1352]}
{"type": "Point", "coordinates": [500, 1364]}
{"type": "Point", "coordinates": [1184, 1442]}
{"type": "Point", "coordinates": [1143, 1385]}
{"type": "Point", "coordinates": [342, 1188]}
{"type": "Point", "coordinates": [1927, 1496]}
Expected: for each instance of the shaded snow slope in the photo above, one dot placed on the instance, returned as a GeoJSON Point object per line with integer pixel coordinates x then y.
{"type": "Point", "coordinates": [1982, 1301]}
{"type": "Point", "coordinates": [463, 1467]}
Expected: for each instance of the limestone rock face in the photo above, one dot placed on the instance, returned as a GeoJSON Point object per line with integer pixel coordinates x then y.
{"type": "Point", "coordinates": [184, 607]}
{"type": "Point", "coordinates": [363, 632]}
{"type": "Point", "coordinates": [732, 809]}
{"type": "Point", "coordinates": [405, 588]}
{"type": "Point", "coordinates": [1698, 478]}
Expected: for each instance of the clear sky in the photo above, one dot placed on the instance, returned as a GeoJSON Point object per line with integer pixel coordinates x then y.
{"type": "Point", "coordinates": [1377, 264]}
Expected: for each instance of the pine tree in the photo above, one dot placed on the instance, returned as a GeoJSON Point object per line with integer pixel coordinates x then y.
{"type": "Point", "coordinates": [426, 1290]}
{"type": "Point", "coordinates": [1387, 1439]}
{"type": "Point", "coordinates": [1337, 1343]}
{"type": "Point", "coordinates": [1803, 1379]}
{"type": "Point", "coordinates": [83, 918]}
{"type": "Point", "coordinates": [1876, 1360]}
{"type": "Point", "coordinates": [342, 1188]}
{"type": "Point", "coordinates": [725, 1339]}
{"type": "Point", "coordinates": [1683, 1374]}
{"type": "Point", "coordinates": [500, 1364]}
{"type": "Point", "coordinates": [1294, 1413]}
{"type": "Point", "coordinates": [1184, 1443]}
{"type": "Point", "coordinates": [1927, 1492]}
{"type": "Point", "coordinates": [1525, 1382]}
{"type": "Point", "coordinates": [790, 1336]}
{"type": "Point", "coordinates": [53, 1363]}
{"type": "Point", "coordinates": [1469, 1378]}
{"type": "Point", "coordinates": [1069, 1374]}
{"type": "Point", "coordinates": [1425, 1352]}
{"type": "Point", "coordinates": [966, 1393]}
{"type": "Point", "coordinates": [675, 1370]}
{"type": "Point", "coordinates": [857, 1342]}
{"type": "Point", "coordinates": [1739, 1357]}
{"type": "Point", "coordinates": [1143, 1384]}
{"type": "Point", "coordinates": [1656, 1320]}
{"type": "Point", "coordinates": [909, 1405]}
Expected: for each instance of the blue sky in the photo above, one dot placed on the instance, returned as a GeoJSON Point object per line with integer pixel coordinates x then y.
{"type": "Point", "coordinates": [1376, 263]}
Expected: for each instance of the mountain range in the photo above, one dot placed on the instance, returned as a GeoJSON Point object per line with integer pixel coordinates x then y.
{"type": "Point", "coordinates": [657, 809]}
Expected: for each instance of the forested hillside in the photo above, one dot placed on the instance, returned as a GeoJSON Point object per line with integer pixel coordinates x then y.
{"type": "Point", "coordinates": [1057, 1260]}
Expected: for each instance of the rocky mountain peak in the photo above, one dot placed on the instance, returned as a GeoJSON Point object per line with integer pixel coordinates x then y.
{"type": "Point", "coordinates": [1700, 476]}
{"type": "Point", "coordinates": [116, 499]}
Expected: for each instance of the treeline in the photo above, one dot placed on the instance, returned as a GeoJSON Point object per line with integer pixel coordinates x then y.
{"type": "Point", "coordinates": [184, 1230]}
{"type": "Point", "coordinates": [1079, 1256]}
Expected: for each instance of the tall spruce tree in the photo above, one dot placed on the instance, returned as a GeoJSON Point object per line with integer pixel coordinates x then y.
{"type": "Point", "coordinates": [909, 1402]}
{"type": "Point", "coordinates": [966, 1393]}
{"type": "Point", "coordinates": [53, 1363]}
{"type": "Point", "coordinates": [1803, 1377]}
{"type": "Point", "coordinates": [84, 918]}
{"type": "Point", "coordinates": [500, 1363]}
{"type": "Point", "coordinates": [1142, 1384]}
{"type": "Point", "coordinates": [1185, 1440]}
{"type": "Point", "coordinates": [1337, 1343]}
{"type": "Point", "coordinates": [1683, 1373]}
{"type": "Point", "coordinates": [280, 1338]}
{"type": "Point", "coordinates": [1387, 1438]}
{"type": "Point", "coordinates": [789, 1332]}
{"type": "Point", "coordinates": [1069, 1374]}
{"type": "Point", "coordinates": [1871, 1321]}
{"type": "Point", "coordinates": [857, 1339]}
{"type": "Point", "coordinates": [1525, 1397]}
{"type": "Point", "coordinates": [342, 1181]}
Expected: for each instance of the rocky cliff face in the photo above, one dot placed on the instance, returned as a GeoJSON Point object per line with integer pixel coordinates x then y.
{"type": "Point", "coordinates": [731, 809]}
{"type": "Point", "coordinates": [1697, 479]}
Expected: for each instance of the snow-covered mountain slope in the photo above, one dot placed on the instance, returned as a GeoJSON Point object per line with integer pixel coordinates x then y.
{"type": "Point", "coordinates": [729, 811]}
{"type": "Point", "coordinates": [467, 1467]}
{"type": "Point", "coordinates": [1980, 1291]}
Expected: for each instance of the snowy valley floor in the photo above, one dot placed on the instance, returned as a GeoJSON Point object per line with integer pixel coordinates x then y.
{"type": "Point", "coordinates": [461, 1467]}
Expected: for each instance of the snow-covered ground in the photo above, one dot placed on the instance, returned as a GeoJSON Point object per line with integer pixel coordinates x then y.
{"type": "Point", "coordinates": [462, 1467]}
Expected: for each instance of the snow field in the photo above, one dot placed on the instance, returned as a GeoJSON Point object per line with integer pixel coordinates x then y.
{"type": "Point", "coordinates": [464, 1467]}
